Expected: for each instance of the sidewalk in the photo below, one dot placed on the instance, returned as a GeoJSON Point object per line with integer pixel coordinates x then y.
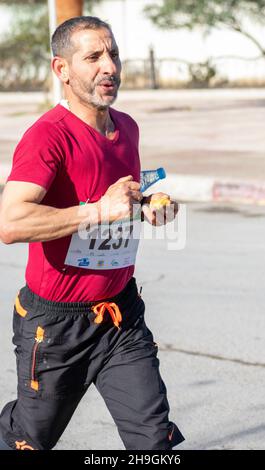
{"type": "Point", "coordinates": [211, 142]}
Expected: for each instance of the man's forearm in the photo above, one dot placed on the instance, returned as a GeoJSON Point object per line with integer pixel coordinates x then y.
{"type": "Point", "coordinates": [31, 222]}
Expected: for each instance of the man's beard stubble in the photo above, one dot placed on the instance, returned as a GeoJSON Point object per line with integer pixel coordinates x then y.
{"type": "Point", "coordinates": [87, 94]}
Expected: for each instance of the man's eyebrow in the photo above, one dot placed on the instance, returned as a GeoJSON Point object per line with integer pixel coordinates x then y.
{"type": "Point", "coordinates": [93, 52]}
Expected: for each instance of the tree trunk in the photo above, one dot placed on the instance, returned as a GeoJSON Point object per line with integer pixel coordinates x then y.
{"type": "Point", "coordinates": [68, 9]}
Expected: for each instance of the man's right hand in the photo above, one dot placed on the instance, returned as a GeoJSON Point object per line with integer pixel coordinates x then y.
{"type": "Point", "coordinates": [119, 199]}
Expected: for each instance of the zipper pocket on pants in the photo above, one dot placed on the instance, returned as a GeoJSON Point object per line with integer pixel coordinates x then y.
{"type": "Point", "coordinates": [38, 340]}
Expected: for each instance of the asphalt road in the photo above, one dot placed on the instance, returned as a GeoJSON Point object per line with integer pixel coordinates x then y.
{"type": "Point", "coordinates": [205, 306]}
{"type": "Point", "coordinates": [216, 133]}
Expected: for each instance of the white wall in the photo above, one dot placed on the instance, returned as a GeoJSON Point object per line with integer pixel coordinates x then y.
{"type": "Point", "coordinates": [135, 33]}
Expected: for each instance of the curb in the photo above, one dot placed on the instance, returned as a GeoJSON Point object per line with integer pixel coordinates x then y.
{"type": "Point", "coordinates": [194, 188]}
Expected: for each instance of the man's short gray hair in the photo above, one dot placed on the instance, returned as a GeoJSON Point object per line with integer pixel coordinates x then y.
{"type": "Point", "coordinates": [61, 39]}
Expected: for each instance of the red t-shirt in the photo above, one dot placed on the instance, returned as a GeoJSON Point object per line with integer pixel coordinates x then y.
{"type": "Point", "coordinates": [73, 162]}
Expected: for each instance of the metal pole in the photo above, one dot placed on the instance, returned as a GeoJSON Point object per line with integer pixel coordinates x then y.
{"type": "Point", "coordinates": [153, 78]}
{"type": "Point", "coordinates": [56, 84]}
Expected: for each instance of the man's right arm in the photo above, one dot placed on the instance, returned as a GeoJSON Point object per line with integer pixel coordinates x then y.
{"type": "Point", "coordinates": [24, 219]}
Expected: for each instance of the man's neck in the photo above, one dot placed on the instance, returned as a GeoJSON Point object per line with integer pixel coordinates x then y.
{"type": "Point", "coordinates": [96, 118]}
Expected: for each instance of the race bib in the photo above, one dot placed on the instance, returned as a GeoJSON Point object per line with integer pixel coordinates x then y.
{"type": "Point", "coordinates": [110, 246]}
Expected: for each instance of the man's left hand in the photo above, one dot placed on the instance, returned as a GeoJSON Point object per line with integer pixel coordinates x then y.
{"type": "Point", "coordinates": [160, 216]}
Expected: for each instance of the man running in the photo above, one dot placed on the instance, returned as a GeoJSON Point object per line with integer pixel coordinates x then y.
{"type": "Point", "coordinates": [79, 319]}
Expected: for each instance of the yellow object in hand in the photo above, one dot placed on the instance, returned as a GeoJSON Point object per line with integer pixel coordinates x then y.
{"type": "Point", "coordinates": [159, 202]}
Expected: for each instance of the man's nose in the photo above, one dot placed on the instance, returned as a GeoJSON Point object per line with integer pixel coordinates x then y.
{"type": "Point", "coordinates": [108, 65]}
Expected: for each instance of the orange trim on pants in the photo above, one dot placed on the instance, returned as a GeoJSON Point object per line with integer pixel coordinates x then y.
{"type": "Point", "coordinates": [20, 310]}
{"type": "Point", "coordinates": [113, 310]}
{"type": "Point", "coordinates": [22, 445]}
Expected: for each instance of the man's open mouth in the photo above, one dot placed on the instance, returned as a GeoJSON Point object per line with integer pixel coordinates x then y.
{"type": "Point", "coordinates": [108, 86]}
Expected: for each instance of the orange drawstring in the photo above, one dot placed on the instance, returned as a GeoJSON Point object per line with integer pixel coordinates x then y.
{"type": "Point", "coordinates": [113, 310]}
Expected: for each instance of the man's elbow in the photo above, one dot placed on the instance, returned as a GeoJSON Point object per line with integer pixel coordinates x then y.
{"type": "Point", "coordinates": [7, 233]}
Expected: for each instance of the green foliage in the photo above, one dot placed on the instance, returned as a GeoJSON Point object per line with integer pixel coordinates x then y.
{"type": "Point", "coordinates": [192, 13]}
{"type": "Point", "coordinates": [163, 13]}
{"type": "Point", "coordinates": [207, 14]}
{"type": "Point", "coordinates": [22, 2]}
{"type": "Point", "coordinates": [202, 74]}
{"type": "Point", "coordinates": [25, 50]}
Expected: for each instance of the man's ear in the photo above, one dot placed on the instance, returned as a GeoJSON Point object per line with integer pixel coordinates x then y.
{"type": "Point", "coordinates": [60, 68]}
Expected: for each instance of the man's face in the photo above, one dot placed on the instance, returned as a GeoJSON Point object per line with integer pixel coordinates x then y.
{"type": "Point", "coordinates": [94, 71]}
